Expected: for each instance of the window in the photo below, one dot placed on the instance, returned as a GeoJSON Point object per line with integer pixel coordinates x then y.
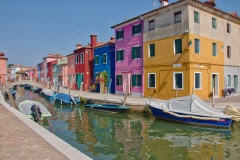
{"type": "Point", "coordinates": [151, 50]}
{"type": "Point", "coordinates": [228, 28]}
{"type": "Point", "coordinates": [151, 80]}
{"type": "Point", "coordinates": [229, 80]}
{"type": "Point", "coordinates": [196, 17]}
{"type": "Point", "coordinates": [120, 55]}
{"type": "Point", "coordinates": [178, 46]}
{"type": "Point", "coordinates": [137, 80]}
{"type": "Point", "coordinates": [119, 80]}
{"type": "Point", "coordinates": [177, 80]}
{"type": "Point", "coordinates": [177, 17]}
{"type": "Point", "coordinates": [104, 58]}
{"type": "Point", "coordinates": [136, 52]}
{"type": "Point", "coordinates": [96, 59]}
{"type": "Point", "coordinates": [120, 34]}
{"type": "Point", "coordinates": [214, 23]}
{"type": "Point", "coordinates": [151, 25]}
{"type": "Point", "coordinates": [136, 29]}
{"type": "Point", "coordinates": [228, 52]}
{"type": "Point", "coordinates": [197, 45]}
{"type": "Point", "coordinates": [214, 49]}
{"type": "Point", "coordinates": [77, 58]}
{"type": "Point", "coordinates": [82, 58]}
{"type": "Point", "coordinates": [198, 80]}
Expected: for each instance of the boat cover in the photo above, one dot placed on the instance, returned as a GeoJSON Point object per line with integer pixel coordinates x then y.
{"type": "Point", "coordinates": [48, 92]}
{"type": "Point", "coordinates": [27, 104]}
{"type": "Point", "coordinates": [191, 104]}
{"type": "Point", "coordinates": [233, 111]}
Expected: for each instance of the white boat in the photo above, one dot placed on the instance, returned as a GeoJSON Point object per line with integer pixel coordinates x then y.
{"type": "Point", "coordinates": [25, 108]}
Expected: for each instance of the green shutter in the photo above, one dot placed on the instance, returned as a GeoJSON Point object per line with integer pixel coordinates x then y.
{"type": "Point", "coordinates": [133, 30]}
{"type": "Point", "coordinates": [140, 80]}
{"type": "Point", "coordinates": [118, 56]}
{"type": "Point", "coordinates": [133, 52]}
{"type": "Point", "coordinates": [139, 28]}
{"type": "Point", "coordinates": [133, 80]}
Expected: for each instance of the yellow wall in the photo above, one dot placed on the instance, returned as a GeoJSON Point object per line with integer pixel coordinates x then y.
{"type": "Point", "coordinates": [162, 65]}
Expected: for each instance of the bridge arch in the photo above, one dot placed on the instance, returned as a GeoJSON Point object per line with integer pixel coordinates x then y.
{"type": "Point", "coordinates": [32, 83]}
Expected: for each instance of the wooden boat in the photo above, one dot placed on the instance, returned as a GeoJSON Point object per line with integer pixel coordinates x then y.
{"type": "Point", "coordinates": [25, 108]}
{"type": "Point", "coordinates": [63, 98]}
{"type": "Point", "coordinates": [49, 94]}
{"type": "Point", "coordinates": [114, 108]}
{"type": "Point", "coordinates": [191, 110]}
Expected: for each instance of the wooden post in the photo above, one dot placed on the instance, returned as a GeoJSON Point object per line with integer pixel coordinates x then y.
{"type": "Point", "coordinates": [126, 94]}
{"type": "Point", "coordinates": [213, 96]}
{"type": "Point", "coordinates": [80, 90]}
{"type": "Point", "coordinates": [50, 125]}
{"type": "Point", "coordinates": [107, 91]}
{"type": "Point", "coordinates": [192, 90]}
{"type": "Point", "coordinates": [12, 101]}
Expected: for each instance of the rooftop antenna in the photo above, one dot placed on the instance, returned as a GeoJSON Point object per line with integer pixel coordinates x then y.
{"type": "Point", "coordinates": [154, 4]}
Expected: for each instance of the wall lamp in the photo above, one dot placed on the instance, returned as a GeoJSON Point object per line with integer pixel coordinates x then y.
{"type": "Point", "coordinates": [190, 43]}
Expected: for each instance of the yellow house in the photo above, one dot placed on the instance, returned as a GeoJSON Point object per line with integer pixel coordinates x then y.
{"type": "Point", "coordinates": [185, 49]}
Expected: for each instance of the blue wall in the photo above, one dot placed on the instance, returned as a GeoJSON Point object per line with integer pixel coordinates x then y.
{"type": "Point", "coordinates": [109, 67]}
{"type": "Point", "coordinates": [39, 72]}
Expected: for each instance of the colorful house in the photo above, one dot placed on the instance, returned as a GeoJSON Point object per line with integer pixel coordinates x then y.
{"type": "Point", "coordinates": [62, 71]}
{"type": "Point", "coordinates": [129, 57]}
{"type": "Point", "coordinates": [50, 71]}
{"type": "Point", "coordinates": [104, 61]}
{"type": "Point", "coordinates": [188, 49]}
{"type": "Point", "coordinates": [84, 64]}
{"type": "Point", "coordinates": [71, 70]}
{"type": "Point", "coordinates": [3, 68]}
{"type": "Point", "coordinates": [39, 66]}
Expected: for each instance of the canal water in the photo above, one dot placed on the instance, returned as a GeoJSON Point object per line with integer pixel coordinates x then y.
{"type": "Point", "coordinates": [104, 136]}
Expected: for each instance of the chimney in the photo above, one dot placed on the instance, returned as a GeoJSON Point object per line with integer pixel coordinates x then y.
{"type": "Point", "coordinates": [210, 3]}
{"type": "Point", "coordinates": [79, 45]}
{"type": "Point", "coordinates": [163, 3]}
{"type": "Point", "coordinates": [93, 40]}
{"type": "Point", "coordinates": [112, 39]}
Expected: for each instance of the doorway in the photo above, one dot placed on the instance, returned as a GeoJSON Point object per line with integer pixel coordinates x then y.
{"type": "Point", "coordinates": [215, 85]}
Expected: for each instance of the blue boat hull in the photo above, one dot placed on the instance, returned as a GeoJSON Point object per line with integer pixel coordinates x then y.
{"type": "Point", "coordinates": [63, 98]}
{"type": "Point", "coordinates": [107, 107]}
{"type": "Point", "coordinates": [60, 101]}
{"type": "Point", "coordinates": [159, 113]}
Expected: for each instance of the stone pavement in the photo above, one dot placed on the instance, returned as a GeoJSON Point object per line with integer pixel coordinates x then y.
{"type": "Point", "coordinates": [23, 139]}
{"type": "Point", "coordinates": [112, 98]}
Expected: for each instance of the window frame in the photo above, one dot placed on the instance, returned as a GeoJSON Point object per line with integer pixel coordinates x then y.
{"type": "Point", "coordinates": [135, 47]}
{"type": "Point", "coordinates": [149, 80]}
{"type": "Point", "coordinates": [200, 85]}
{"type": "Point", "coordinates": [105, 54]}
{"type": "Point", "coordinates": [228, 28]}
{"type": "Point", "coordinates": [149, 50]}
{"type": "Point", "coordinates": [119, 34]}
{"type": "Point", "coordinates": [214, 49]}
{"type": "Point", "coordinates": [197, 45]}
{"type": "Point", "coordinates": [229, 52]}
{"type": "Point", "coordinates": [96, 59]}
{"type": "Point", "coordinates": [121, 82]}
{"type": "Point", "coordinates": [229, 84]}
{"type": "Point", "coordinates": [177, 17]}
{"type": "Point", "coordinates": [196, 17]}
{"type": "Point", "coordinates": [77, 58]}
{"type": "Point", "coordinates": [136, 29]}
{"type": "Point", "coordinates": [82, 57]}
{"type": "Point", "coordinates": [174, 80]}
{"type": "Point", "coordinates": [214, 23]}
{"type": "Point", "coordinates": [118, 52]}
{"type": "Point", "coordinates": [175, 46]}
{"type": "Point", "coordinates": [138, 82]}
{"type": "Point", "coordinates": [151, 25]}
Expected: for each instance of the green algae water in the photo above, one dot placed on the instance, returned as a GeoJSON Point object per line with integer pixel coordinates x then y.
{"type": "Point", "coordinates": [105, 136]}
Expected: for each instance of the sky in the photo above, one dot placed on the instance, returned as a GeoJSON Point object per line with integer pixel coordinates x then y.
{"type": "Point", "coordinates": [31, 29]}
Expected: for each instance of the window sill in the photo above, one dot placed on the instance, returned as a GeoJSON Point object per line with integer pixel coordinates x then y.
{"type": "Point", "coordinates": [178, 89]}
{"type": "Point", "coordinates": [136, 34]}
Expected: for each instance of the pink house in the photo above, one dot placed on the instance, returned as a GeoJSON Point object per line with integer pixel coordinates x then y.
{"type": "Point", "coordinates": [3, 68]}
{"type": "Point", "coordinates": [71, 70]}
{"type": "Point", "coordinates": [129, 57]}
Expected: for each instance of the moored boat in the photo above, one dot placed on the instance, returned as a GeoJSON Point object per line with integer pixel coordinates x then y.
{"type": "Point", "coordinates": [63, 98]}
{"type": "Point", "coordinates": [191, 110]}
{"type": "Point", "coordinates": [108, 107]}
{"type": "Point", "coordinates": [25, 108]}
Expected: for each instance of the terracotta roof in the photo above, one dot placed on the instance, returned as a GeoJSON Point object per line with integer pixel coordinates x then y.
{"type": "Point", "coordinates": [2, 53]}
{"type": "Point", "coordinates": [210, 3]}
{"type": "Point", "coordinates": [111, 41]}
{"type": "Point", "coordinates": [53, 56]}
{"type": "Point", "coordinates": [234, 14]}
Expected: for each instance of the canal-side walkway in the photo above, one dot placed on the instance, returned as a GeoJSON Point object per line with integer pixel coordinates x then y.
{"type": "Point", "coordinates": [23, 139]}
{"type": "Point", "coordinates": [220, 103]}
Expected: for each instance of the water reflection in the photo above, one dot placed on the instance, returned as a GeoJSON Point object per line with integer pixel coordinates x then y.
{"type": "Point", "coordinates": [136, 136]}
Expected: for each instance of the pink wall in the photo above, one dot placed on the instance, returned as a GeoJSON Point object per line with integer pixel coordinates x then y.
{"type": "Point", "coordinates": [129, 66]}
{"type": "Point", "coordinates": [3, 68]}
{"type": "Point", "coordinates": [71, 67]}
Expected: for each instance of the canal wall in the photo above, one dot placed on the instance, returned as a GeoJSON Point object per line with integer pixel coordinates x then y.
{"type": "Point", "coordinates": [22, 138]}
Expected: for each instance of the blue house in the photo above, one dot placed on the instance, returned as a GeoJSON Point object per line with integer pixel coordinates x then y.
{"type": "Point", "coordinates": [104, 63]}
{"type": "Point", "coordinates": [39, 71]}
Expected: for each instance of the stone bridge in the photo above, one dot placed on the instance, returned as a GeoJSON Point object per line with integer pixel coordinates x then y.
{"type": "Point", "coordinates": [32, 83]}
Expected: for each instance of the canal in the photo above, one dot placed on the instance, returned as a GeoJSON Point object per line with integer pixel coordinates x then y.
{"type": "Point", "coordinates": [105, 136]}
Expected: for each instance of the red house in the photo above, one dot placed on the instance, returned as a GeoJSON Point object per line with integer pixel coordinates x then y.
{"type": "Point", "coordinates": [50, 71]}
{"type": "Point", "coordinates": [83, 61]}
